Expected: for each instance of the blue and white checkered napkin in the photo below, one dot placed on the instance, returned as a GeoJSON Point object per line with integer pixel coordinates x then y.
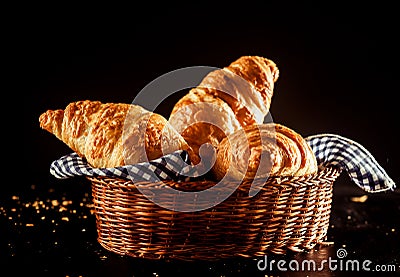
{"type": "Point", "coordinates": [330, 150]}
{"type": "Point", "coordinates": [175, 166]}
{"type": "Point", "coordinates": [358, 162]}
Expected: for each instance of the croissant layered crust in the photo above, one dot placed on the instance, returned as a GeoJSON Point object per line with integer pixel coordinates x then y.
{"type": "Point", "coordinates": [225, 112]}
{"type": "Point", "coordinates": [112, 134]}
{"type": "Point", "coordinates": [263, 150]}
{"type": "Point", "coordinates": [226, 100]}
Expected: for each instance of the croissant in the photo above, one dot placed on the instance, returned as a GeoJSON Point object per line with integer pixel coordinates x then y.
{"type": "Point", "coordinates": [112, 134]}
{"type": "Point", "coordinates": [262, 150]}
{"type": "Point", "coordinates": [226, 100]}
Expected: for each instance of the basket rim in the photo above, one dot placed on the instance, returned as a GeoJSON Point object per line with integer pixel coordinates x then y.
{"type": "Point", "coordinates": [330, 173]}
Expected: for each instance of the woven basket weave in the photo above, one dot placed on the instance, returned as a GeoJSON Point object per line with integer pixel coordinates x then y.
{"type": "Point", "coordinates": [287, 214]}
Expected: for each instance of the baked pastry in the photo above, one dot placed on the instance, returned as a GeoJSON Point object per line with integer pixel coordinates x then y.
{"type": "Point", "coordinates": [226, 100]}
{"type": "Point", "coordinates": [112, 134]}
{"type": "Point", "coordinates": [262, 150]}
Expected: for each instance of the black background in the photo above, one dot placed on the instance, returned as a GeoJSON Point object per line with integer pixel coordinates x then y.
{"type": "Point", "coordinates": [338, 67]}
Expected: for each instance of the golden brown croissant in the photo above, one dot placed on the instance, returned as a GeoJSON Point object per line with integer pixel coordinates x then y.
{"type": "Point", "coordinates": [226, 100]}
{"type": "Point", "coordinates": [262, 150]}
{"type": "Point", "coordinates": [112, 134]}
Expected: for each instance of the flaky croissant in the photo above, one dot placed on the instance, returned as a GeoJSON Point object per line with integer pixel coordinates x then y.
{"type": "Point", "coordinates": [226, 100]}
{"type": "Point", "coordinates": [112, 134]}
{"type": "Point", "coordinates": [262, 150]}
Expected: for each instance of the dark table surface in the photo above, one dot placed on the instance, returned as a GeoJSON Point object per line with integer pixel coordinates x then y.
{"type": "Point", "coordinates": [49, 229]}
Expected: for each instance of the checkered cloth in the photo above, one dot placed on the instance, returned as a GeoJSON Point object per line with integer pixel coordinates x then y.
{"type": "Point", "coordinates": [329, 149]}
{"type": "Point", "coordinates": [175, 166]}
{"type": "Point", "coordinates": [358, 162]}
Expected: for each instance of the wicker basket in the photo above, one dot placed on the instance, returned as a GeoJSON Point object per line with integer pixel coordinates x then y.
{"type": "Point", "coordinates": [287, 214]}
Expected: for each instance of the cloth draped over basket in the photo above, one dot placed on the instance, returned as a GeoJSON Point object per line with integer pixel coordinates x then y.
{"type": "Point", "coordinates": [330, 150]}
